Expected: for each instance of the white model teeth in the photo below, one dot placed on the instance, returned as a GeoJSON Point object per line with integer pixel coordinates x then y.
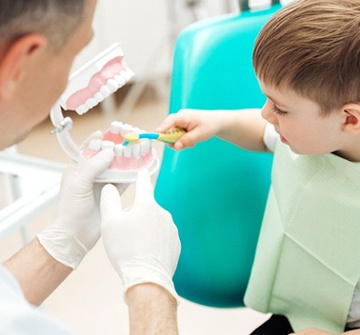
{"type": "Point", "coordinates": [82, 109]}
{"type": "Point", "coordinates": [136, 150]}
{"type": "Point", "coordinates": [127, 151]}
{"type": "Point", "coordinates": [115, 127]}
{"type": "Point", "coordinates": [125, 128]}
{"type": "Point", "coordinates": [127, 74]}
{"type": "Point", "coordinates": [105, 91]}
{"type": "Point", "coordinates": [131, 150]}
{"type": "Point", "coordinates": [111, 86]}
{"type": "Point", "coordinates": [120, 80]}
{"type": "Point", "coordinates": [98, 97]}
{"type": "Point", "coordinates": [90, 103]}
{"type": "Point", "coordinates": [145, 146]}
{"type": "Point", "coordinates": [118, 149]}
{"type": "Point", "coordinates": [95, 144]}
{"type": "Point", "coordinates": [107, 145]}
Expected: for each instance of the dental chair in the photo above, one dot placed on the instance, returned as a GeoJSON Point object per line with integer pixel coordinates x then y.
{"type": "Point", "coordinates": [216, 192]}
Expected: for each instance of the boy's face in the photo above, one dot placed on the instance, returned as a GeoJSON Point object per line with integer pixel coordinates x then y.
{"type": "Point", "coordinates": [300, 123]}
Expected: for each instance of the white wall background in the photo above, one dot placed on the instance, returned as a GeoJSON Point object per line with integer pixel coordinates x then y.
{"type": "Point", "coordinates": [146, 29]}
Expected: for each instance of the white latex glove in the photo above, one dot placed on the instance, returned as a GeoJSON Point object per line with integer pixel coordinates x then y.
{"type": "Point", "coordinates": [76, 227]}
{"type": "Point", "coordinates": [142, 243]}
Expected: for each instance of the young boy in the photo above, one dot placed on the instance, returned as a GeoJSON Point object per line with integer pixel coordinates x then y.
{"type": "Point", "coordinates": [307, 264]}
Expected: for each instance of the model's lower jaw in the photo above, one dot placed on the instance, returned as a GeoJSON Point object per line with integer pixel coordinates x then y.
{"type": "Point", "coordinates": [129, 159]}
{"type": "Point", "coordinates": [138, 163]}
{"type": "Point", "coordinates": [135, 163]}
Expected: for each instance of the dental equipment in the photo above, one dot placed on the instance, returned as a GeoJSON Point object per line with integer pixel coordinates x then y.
{"type": "Point", "coordinates": [87, 87]}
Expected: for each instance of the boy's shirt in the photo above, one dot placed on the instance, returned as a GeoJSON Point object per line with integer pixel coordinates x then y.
{"type": "Point", "coordinates": [270, 137]}
{"type": "Point", "coordinates": [307, 264]}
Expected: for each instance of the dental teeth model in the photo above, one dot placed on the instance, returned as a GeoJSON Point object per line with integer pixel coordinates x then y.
{"type": "Point", "coordinates": [87, 87]}
{"type": "Point", "coordinates": [128, 158]}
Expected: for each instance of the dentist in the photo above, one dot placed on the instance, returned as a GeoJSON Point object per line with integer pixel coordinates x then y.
{"type": "Point", "coordinates": [38, 42]}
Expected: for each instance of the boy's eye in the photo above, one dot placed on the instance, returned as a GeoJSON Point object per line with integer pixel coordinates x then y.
{"type": "Point", "coordinates": [278, 110]}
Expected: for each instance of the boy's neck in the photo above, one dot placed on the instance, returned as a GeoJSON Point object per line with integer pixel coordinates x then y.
{"type": "Point", "coordinates": [351, 153]}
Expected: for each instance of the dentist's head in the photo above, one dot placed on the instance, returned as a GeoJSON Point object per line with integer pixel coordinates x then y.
{"type": "Point", "coordinates": [38, 42]}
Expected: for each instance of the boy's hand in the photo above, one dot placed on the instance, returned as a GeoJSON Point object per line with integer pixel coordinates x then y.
{"type": "Point", "coordinates": [199, 124]}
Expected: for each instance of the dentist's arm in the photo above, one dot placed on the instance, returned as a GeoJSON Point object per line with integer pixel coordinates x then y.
{"type": "Point", "coordinates": [37, 272]}
{"type": "Point", "coordinates": [152, 310]}
{"type": "Point", "coordinates": [143, 246]}
{"type": "Point", "coordinates": [43, 264]}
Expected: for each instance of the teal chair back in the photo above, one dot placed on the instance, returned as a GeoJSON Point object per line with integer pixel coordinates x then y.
{"type": "Point", "coordinates": [215, 191]}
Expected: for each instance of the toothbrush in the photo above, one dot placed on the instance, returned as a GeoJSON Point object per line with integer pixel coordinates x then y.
{"type": "Point", "coordinates": [170, 136]}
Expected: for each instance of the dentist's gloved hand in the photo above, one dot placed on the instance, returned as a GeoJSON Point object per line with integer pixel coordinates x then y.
{"type": "Point", "coordinates": [142, 243]}
{"type": "Point", "coordinates": [76, 227]}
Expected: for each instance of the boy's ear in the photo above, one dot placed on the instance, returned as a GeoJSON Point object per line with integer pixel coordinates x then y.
{"type": "Point", "coordinates": [351, 123]}
{"type": "Point", "coordinates": [15, 60]}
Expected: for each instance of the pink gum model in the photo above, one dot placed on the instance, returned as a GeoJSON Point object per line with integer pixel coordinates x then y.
{"type": "Point", "coordinates": [87, 87]}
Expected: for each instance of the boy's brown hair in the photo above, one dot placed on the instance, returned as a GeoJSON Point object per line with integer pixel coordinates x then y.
{"type": "Point", "coordinates": [313, 48]}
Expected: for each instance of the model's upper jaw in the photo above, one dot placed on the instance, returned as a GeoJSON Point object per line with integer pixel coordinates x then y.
{"type": "Point", "coordinates": [96, 80]}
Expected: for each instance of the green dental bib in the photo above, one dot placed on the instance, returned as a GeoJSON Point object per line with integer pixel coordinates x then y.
{"type": "Point", "coordinates": [307, 261]}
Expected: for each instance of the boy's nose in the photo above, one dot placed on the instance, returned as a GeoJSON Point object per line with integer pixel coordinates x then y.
{"type": "Point", "coordinates": [268, 114]}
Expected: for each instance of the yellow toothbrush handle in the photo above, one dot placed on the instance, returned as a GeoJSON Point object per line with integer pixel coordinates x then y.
{"type": "Point", "coordinates": [172, 135]}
